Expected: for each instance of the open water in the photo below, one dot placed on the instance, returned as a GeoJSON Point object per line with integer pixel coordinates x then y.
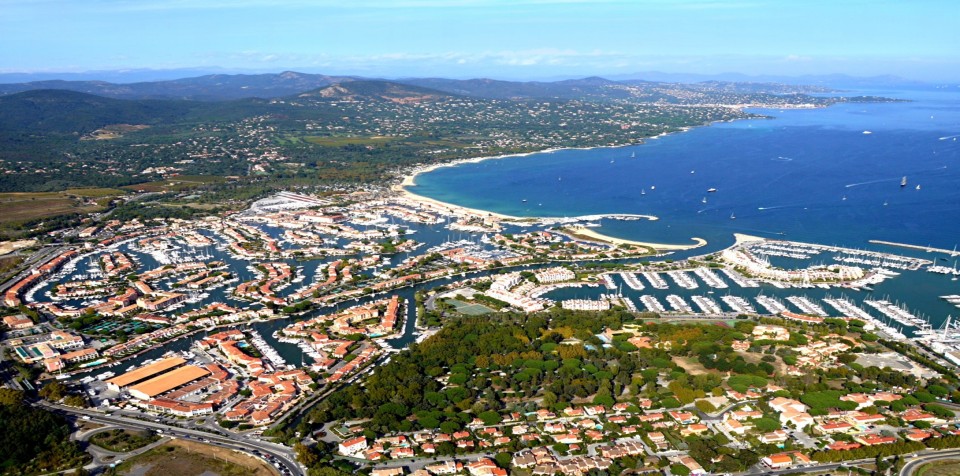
{"type": "Point", "coordinates": [804, 175]}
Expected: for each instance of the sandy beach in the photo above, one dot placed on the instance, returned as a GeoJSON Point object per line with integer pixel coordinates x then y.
{"type": "Point", "coordinates": [742, 238]}
{"type": "Point", "coordinates": [589, 233]}
{"type": "Point", "coordinates": [409, 181]}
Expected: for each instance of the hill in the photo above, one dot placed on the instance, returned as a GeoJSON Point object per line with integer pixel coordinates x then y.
{"type": "Point", "coordinates": [597, 88]}
{"type": "Point", "coordinates": [213, 87]}
{"type": "Point", "coordinates": [67, 112]}
{"type": "Point", "coordinates": [375, 90]}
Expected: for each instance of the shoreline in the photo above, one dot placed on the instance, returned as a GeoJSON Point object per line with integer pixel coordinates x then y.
{"type": "Point", "coordinates": [591, 234]}
{"type": "Point", "coordinates": [408, 180]}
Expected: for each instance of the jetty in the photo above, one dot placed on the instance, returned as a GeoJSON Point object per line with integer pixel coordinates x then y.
{"type": "Point", "coordinates": [928, 249]}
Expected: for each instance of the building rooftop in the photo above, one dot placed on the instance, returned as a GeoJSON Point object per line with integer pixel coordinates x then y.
{"type": "Point", "coordinates": [147, 371]}
{"type": "Point", "coordinates": [168, 381]}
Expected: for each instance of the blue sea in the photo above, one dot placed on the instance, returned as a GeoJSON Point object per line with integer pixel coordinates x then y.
{"type": "Point", "coordinates": [810, 175]}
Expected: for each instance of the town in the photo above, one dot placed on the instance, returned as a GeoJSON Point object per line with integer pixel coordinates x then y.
{"type": "Point", "coordinates": [232, 324]}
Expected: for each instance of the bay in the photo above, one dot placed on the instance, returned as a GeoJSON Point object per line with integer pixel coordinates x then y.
{"type": "Point", "coordinates": [829, 175]}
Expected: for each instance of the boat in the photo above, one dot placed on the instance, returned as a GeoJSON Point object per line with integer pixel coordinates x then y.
{"type": "Point", "coordinates": [643, 192]}
{"type": "Point", "coordinates": [711, 190]}
{"type": "Point", "coordinates": [524, 200]}
{"type": "Point", "coordinates": [653, 187]}
{"type": "Point", "coordinates": [918, 187]}
{"type": "Point", "coordinates": [903, 181]}
{"type": "Point", "coordinates": [633, 154]}
{"type": "Point", "coordinates": [844, 197]}
{"type": "Point", "coordinates": [866, 133]}
{"type": "Point", "coordinates": [704, 200]}
{"type": "Point", "coordinates": [885, 203]}
{"type": "Point", "coordinates": [732, 217]}
{"type": "Point", "coordinates": [693, 171]}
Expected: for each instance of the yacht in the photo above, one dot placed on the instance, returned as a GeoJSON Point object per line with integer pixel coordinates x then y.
{"type": "Point", "coordinates": [711, 190]}
{"type": "Point", "coordinates": [903, 181]}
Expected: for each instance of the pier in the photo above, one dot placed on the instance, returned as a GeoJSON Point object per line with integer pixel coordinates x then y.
{"type": "Point", "coordinates": [633, 282]}
{"type": "Point", "coordinates": [928, 249]}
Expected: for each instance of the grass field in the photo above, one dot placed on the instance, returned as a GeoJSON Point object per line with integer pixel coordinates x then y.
{"type": "Point", "coordinates": [122, 441]}
{"type": "Point", "coordinates": [343, 141]}
{"type": "Point", "coordinates": [175, 184]}
{"type": "Point", "coordinates": [940, 468]}
{"type": "Point", "coordinates": [470, 309]}
{"type": "Point", "coordinates": [95, 192]}
{"type": "Point", "coordinates": [25, 206]}
{"type": "Point", "coordinates": [187, 458]}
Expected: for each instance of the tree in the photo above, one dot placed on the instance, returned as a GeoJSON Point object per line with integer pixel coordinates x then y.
{"type": "Point", "coordinates": [705, 406]}
{"type": "Point", "coordinates": [10, 397]}
{"type": "Point", "coordinates": [503, 459]}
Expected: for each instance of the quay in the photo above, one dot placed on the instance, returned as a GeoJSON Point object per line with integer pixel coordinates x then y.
{"type": "Point", "coordinates": [928, 249]}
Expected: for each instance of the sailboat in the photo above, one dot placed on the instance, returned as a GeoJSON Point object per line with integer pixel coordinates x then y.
{"type": "Point", "coordinates": [633, 154]}
{"type": "Point", "coordinates": [732, 217]}
{"type": "Point", "coordinates": [918, 187]}
{"type": "Point", "coordinates": [704, 200]}
{"type": "Point", "coordinates": [903, 181]}
{"type": "Point", "coordinates": [643, 191]}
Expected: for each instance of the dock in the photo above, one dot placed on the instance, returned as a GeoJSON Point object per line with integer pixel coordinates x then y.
{"type": "Point", "coordinates": [928, 249]}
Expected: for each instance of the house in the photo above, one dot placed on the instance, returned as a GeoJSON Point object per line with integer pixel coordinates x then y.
{"type": "Point", "coordinates": [353, 446]}
{"type": "Point", "coordinates": [871, 439]}
{"type": "Point", "coordinates": [782, 404]}
{"type": "Point", "coordinates": [918, 435]}
{"type": "Point", "coordinates": [913, 415]}
{"type": "Point", "coordinates": [778, 461]}
{"type": "Point", "coordinates": [867, 419]}
{"type": "Point", "coordinates": [18, 322]}
{"type": "Point", "coordinates": [694, 429]}
{"type": "Point", "coordinates": [683, 418]}
{"type": "Point", "coordinates": [388, 472]}
{"type": "Point", "coordinates": [485, 467]}
{"type": "Point", "coordinates": [834, 427]}
{"type": "Point", "coordinates": [786, 460]}
{"type": "Point", "coordinates": [843, 446]}
{"type": "Point", "coordinates": [778, 436]}
{"type": "Point", "coordinates": [797, 419]}
{"type": "Point", "coordinates": [693, 466]}
{"type": "Point", "coordinates": [734, 426]}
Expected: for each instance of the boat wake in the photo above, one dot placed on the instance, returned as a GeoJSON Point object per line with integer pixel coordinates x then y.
{"type": "Point", "coordinates": [782, 159]}
{"type": "Point", "coordinates": [950, 137]}
{"type": "Point", "coordinates": [849, 185]}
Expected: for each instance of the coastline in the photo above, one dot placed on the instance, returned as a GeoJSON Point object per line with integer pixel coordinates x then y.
{"type": "Point", "coordinates": [408, 180]}
{"type": "Point", "coordinates": [591, 234]}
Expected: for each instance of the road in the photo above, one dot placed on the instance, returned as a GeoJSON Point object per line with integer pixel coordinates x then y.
{"type": "Point", "coordinates": [924, 457]}
{"type": "Point", "coordinates": [281, 456]}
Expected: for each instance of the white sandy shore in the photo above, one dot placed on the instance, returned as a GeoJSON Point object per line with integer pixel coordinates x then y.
{"type": "Point", "coordinates": [587, 232]}
{"type": "Point", "coordinates": [742, 238]}
{"type": "Point", "coordinates": [409, 180]}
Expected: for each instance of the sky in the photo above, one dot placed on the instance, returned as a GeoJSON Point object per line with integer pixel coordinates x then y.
{"type": "Point", "coordinates": [507, 39]}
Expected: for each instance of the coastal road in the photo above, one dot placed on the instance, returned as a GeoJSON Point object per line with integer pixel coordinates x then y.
{"type": "Point", "coordinates": [280, 456]}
